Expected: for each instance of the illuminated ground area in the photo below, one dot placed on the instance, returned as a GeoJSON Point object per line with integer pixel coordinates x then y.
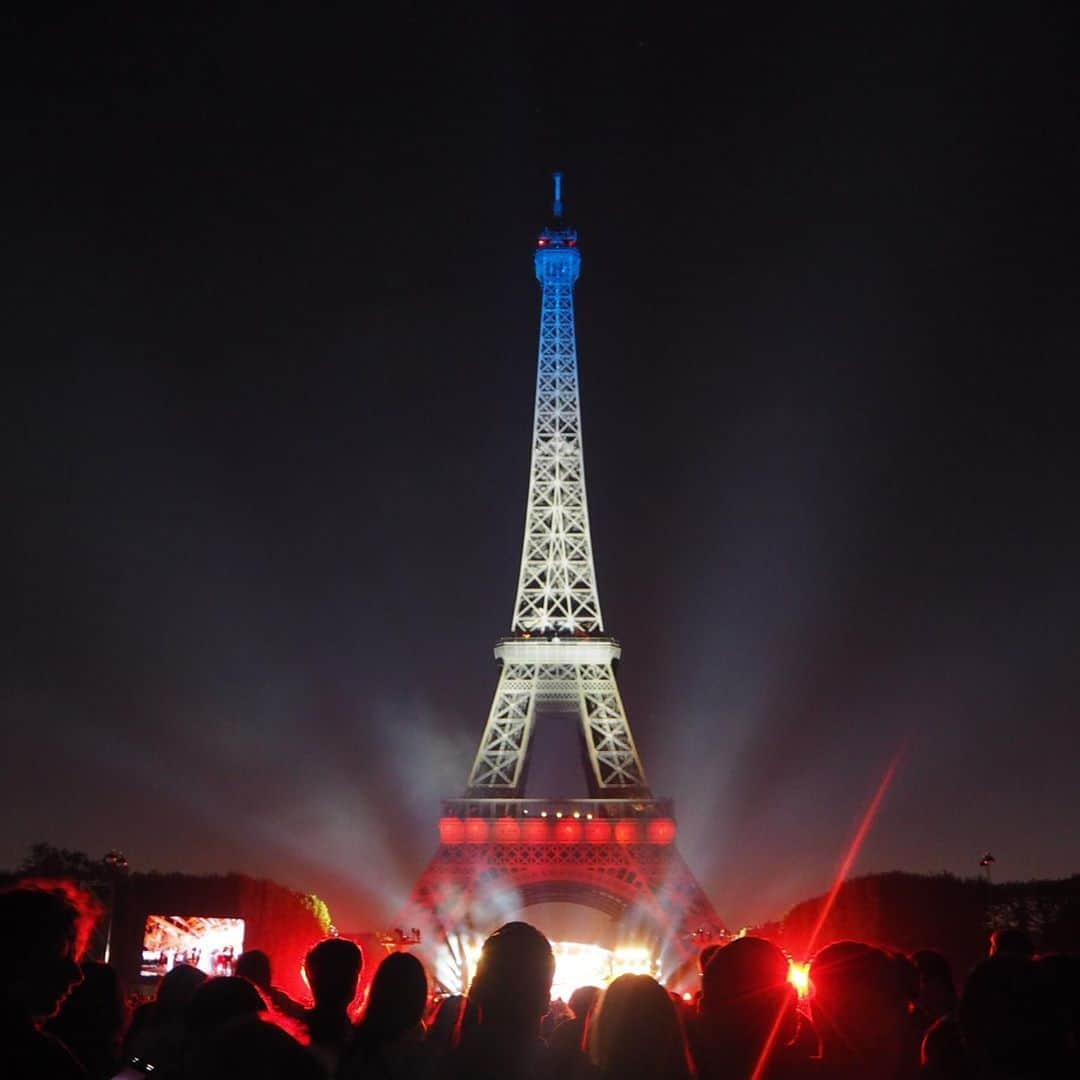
{"type": "Point", "coordinates": [579, 963]}
{"type": "Point", "coordinates": [587, 944]}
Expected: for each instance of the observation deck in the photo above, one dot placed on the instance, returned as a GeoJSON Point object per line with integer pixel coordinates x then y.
{"type": "Point", "coordinates": [538, 649]}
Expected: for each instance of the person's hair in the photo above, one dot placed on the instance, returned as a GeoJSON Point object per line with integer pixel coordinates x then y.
{"type": "Point", "coordinates": [396, 1002]}
{"type": "Point", "coordinates": [636, 1032]}
{"type": "Point", "coordinates": [582, 1001]}
{"type": "Point", "coordinates": [254, 965]}
{"type": "Point", "coordinates": [42, 916]}
{"type": "Point", "coordinates": [741, 974]}
{"type": "Point", "coordinates": [933, 966]}
{"type": "Point", "coordinates": [860, 1001]}
{"type": "Point", "coordinates": [333, 967]}
{"type": "Point", "coordinates": [177, 988]}
{"type": "Point", "coordinates": [1011, 941]}
{"type": "Point", "coordinates": [513, 977]}
{"type": "Point", "coordinates": [249, 1047]}
{"type": "Point", "coordinates": [221, 1000]}
{"type": "Point", "coordinates": [746, 1002]}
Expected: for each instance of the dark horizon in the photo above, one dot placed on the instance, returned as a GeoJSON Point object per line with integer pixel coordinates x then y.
{"type": "Point", "coordinates": [272, 338]}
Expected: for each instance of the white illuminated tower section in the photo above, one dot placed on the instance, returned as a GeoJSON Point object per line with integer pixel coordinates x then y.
{"type": "Point", "coordinates": [558, 655]}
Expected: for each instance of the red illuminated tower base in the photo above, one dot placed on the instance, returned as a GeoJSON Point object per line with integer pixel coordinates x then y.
{"type": "Point", "coordinates": [615, 856]}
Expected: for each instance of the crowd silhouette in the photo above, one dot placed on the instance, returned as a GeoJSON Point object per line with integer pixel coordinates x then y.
{"type": "Point", "coordinates": [871, 1013]}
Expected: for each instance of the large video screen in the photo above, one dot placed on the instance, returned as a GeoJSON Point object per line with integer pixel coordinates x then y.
{"type": "Point", "coordinates": [207, 942]}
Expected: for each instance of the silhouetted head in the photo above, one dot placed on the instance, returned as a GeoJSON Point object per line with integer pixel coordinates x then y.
{"type": "Point", "coordinates": [219, 1001]}
{"type": "Point", "coordinates": [745, 994]}
{"type": "Point", "coordinates": [248, 1047]}
{"type": "Point", "coordinates": [582, 1001]}
{"type": "Point", "coordinates": [512, 985]}
{"type": "Point", "coordinates": [44, 927]}
{"type": "Point", "coordinates": [706, 955]}
{"type": "Point", "coordinates": [95, 1004]}
{"type": "Point", "coordinates": [254, 965]}
{"type": "Point", "coordinates": [1011, 941]}
{"type": "Point", "coordinates": [636, 1032]}
{"type": "Point", "coordinates": [937, 992]}
{"type": "Point", "coordinates": [398, 996]}
{"type": "Point", "coordinates": [333, 968]}
{"type": "Point", "coordinates": [859, 1004]}
{"type": "Point", "coordinates": [177, 988]}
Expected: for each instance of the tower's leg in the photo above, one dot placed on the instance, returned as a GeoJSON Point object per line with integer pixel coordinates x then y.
{"type": "Point", "coordinates": [617, 769]}
{"type": "Point", "coordinates": [499, 767]}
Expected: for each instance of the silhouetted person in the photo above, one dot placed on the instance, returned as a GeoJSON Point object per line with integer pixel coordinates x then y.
{"type": "Point", "coordinates": [158, 1032]}
{"type": "Point", "coordinates": [558, 1012]}
{"type": "Point", "coordinates": [333, 969]}
{"type": "Point", "coordinates": [860, 1010]}
{"type": "Point", "coordinates": [250, 1047]}
{"type": "Point", "coordinates": [747, 1005]}
{"type": "Point", "coordinates": [388, 1042]}
{"type": "Point", "coordinates": [636, 1033]}
{"type": "Point", "coordinates": [455, 1017]}
{"type": "Point", "coordinates": [41, 928]}
{"type": "Point", "coordinates": [937, 992]}
{"type": "Point", "coordinates": [91, 1021]}
{"type": "Point", "coordinates": [221, 1000]}
{"type": "Point", "coordinates": [1011, 941]}
{"type": "Point", "coordinates": [942, 1052]}
{"type": "Point", "coordinates": [1060, 975]}
{"type": "Point", "coordinates": [1010, 1022]}
{"type": "Point", "coordinates": [216, 1004]}
{"type": "Point", "coordinates": [254, 965]}
{"type": "Point", "coordinates": [567, 1041]}
{"type": "Point", "coordinates": [511, 991]}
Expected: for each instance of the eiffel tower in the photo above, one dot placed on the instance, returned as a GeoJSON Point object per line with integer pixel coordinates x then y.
{"type": "Point", "coordinates": [614, 851]}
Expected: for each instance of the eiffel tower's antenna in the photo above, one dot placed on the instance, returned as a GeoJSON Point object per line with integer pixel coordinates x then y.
{"type": "Point", "coordinates": [556, 206]}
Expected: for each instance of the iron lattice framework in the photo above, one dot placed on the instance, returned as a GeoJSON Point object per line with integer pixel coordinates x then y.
{"type": "Point", "coordinates": [558, 656]}
{"type": "Point", "coordinates": [616, 852]}
{"type": "Point", "coordinates": [557, 585]}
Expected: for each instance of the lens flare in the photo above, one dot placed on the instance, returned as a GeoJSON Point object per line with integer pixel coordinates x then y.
{"type": "Point", "coordinates": [853, 850]}
{"type": "Point", "coordinates": [799, 977]}
{"type": "Point", "coordinates": [841, 876]}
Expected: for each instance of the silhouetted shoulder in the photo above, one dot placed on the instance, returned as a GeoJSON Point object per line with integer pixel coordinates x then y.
{"type": "Point", "coordinates": [33, 1055]}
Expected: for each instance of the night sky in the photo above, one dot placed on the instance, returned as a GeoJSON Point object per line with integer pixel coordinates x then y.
{"type": "Point", "coordinates": [270, 342]}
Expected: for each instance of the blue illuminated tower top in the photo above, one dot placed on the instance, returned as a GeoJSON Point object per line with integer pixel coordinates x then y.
{"type": "Point", "coordinates": [557, 257]}
{"type": "Point", "coordinates": [557, 586]}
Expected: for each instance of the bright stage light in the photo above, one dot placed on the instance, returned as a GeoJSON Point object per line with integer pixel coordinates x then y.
{"type": "Point", "coordinates": [799, 977]}
{"type": "Point", "coordinates": [633, 960]}
{"type": "Point", "coordinates": [578, 964]}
